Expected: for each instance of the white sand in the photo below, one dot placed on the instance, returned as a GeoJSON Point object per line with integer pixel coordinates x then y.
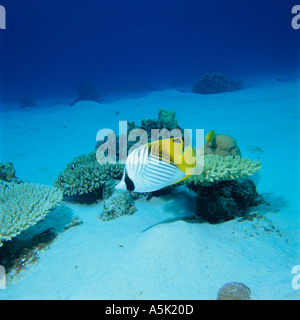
{"type": "Point", "coordinates": [177, 259]}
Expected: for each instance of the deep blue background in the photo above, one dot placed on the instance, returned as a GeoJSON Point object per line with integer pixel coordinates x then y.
{"type": "Point", "coordinates": [130, 45]}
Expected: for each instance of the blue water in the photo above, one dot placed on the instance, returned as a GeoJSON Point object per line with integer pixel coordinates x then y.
{"type": "Point", "coordinates": [132, 46]}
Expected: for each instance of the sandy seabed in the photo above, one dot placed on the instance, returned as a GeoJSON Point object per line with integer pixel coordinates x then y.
{"type": "Point", "coordinates": [175, 258]}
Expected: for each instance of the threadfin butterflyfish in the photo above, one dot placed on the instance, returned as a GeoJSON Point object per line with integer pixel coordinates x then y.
{"type": "Point", "coordinates": [157, 165]}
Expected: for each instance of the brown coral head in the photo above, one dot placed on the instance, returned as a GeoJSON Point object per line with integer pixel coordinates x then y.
{"type": "Point", "coordinates": [222, 145]}
{"type": "Point", "coordinates": [234, 291]}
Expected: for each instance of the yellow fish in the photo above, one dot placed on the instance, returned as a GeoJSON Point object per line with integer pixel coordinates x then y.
{"type": "Point", "coordinates": [210, 135]}
{"type": "Point", "coordinates": [157, 165]}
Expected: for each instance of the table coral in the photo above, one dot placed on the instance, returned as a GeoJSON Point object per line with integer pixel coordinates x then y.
{"type": "Point", "coordinates": [23, 205]}
{"type": "Point", "coordinates": [217, 168]}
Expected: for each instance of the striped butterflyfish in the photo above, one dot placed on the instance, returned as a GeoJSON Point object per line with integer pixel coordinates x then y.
{"type": "Point", "coordinates": [156, 165]}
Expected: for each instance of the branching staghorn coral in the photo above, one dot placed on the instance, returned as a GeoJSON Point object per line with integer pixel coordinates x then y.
{"type": "Point", "coordinates": [23, 205]}
{"type": "Point", "coordinates": [84, 175]}
{"type": "Point", "coordinates": [217, 168]}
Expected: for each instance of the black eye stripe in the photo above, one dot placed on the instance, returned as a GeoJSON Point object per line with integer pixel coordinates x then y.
{"type": "Point", "coordinates": [129, 183]}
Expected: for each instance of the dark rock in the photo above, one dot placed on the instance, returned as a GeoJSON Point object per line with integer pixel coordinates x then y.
{"type": "Point", "coordinates": [215, 83]}
{"type": "Point", "coordinates": [27, 102]}
{"type": "Point", "coordinates": [226, 200]}
{"type": "Point", "coordinates": [86, 92]}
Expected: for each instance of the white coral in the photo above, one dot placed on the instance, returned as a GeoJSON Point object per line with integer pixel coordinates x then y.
{"type": "Point", "coordinates": [23, 205]}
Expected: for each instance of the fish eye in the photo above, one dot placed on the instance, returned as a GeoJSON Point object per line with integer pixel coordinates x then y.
{"type": "Point", "coordinates": [73, 165]}
{"type": "Point", "coordinates": [61, 179]}
{"type": "Point", "coordinates": [177, 140]}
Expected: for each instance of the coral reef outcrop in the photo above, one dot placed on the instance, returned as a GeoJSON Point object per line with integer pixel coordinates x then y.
{"type": "Point", "coordinates": [223, 192]}
{"type": "Point", "coordinates": [86, 92]}
{"type": "Point", "coordinates": [215, 83]}
{"type": "Point", "coordinates": [166, 120]}
{"type": "Point", "coordinates": [26, 102]}
{"type": "Point", "coordinates": [221, 144]}
{"type": "Point", "coordinates": [85, 180]}
{"type": "Point", "coordinates": [226, 200]}
{"type": "Point", "coordinates": [234, 291]}
{"type": "Point", "coordinates": [7, 173]}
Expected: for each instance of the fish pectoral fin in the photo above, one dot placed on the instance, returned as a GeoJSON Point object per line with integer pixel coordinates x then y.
{"type": "Point", "coordinates": [149, 195]}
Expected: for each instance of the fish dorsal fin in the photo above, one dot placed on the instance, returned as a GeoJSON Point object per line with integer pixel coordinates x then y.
{"type": "Point", "coordinates": [167, 150]}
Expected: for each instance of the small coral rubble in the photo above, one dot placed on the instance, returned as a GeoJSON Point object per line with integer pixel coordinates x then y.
{"type": "Point", "coordinates": [119, 204]}
{"type": "Point", "coordinates": [7, 172]}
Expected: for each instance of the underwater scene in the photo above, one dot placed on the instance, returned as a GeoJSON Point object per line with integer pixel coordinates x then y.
{"type": "Point", "coordinates": [149, 150]}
